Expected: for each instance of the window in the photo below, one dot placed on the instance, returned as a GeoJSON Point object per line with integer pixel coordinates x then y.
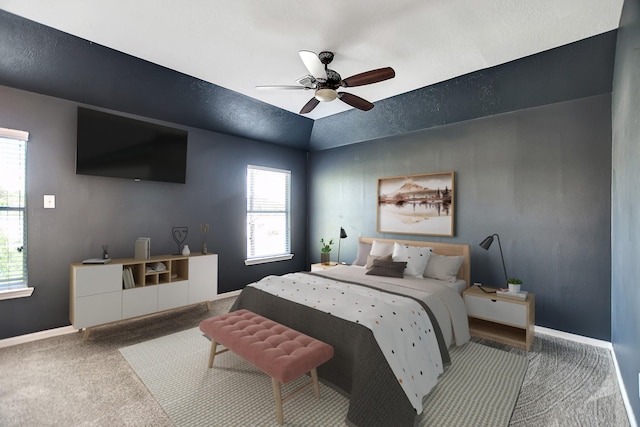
{"type": "Point", "coordinates": [13, 253]}
{"type": "Point", "coordinates": [268, 216]}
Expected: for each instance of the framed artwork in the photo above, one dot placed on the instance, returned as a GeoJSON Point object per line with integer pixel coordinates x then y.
{"type": "Point", "coordinates": [417, 204]}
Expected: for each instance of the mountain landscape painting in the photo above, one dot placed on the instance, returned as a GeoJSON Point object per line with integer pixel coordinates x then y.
{"type": "Point", "coordinates": [417, 204]}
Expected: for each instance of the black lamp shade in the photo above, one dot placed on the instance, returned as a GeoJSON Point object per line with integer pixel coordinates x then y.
{"type": "Point", "coordinates": [486, 243]}
{"type": "Point", "coordinates": [343, 234]}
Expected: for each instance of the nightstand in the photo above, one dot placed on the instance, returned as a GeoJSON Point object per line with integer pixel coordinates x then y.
{"type": "Point", "coordinates": [319, 266]}
{"type": "Point", "coordinates": [501, 319]}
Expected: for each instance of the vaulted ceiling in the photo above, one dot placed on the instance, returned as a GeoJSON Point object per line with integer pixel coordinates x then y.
{"type": "Point", "coordinates": [238, 45]}
{"type": "Point", "coordinates": [241, 44]}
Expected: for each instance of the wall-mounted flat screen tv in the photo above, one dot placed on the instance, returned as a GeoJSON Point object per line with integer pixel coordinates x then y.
{"type": "Point", "coordinates": [121, 147]}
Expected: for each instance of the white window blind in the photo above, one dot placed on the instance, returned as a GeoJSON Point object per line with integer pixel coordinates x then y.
{"type": "Point", "coordinates": [268, 216]}
{"type": "Point", "coordinates": [13, 254]}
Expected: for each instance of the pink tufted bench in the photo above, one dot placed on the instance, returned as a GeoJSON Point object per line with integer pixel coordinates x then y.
{"type": "Point", "coordinates": [281, 352]}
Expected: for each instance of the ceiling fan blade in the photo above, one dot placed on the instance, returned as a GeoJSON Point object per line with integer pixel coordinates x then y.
{"type": "Point", "coordinates": [368, 77]}
{"type": "Point", "coordinates": [309, 106]}
{"type": "Point", "coordinates": [313, 64]}
{"type": "Point", "coordinates": [276, 87]}
{"type": "Point", "coordinates": [355, 101]}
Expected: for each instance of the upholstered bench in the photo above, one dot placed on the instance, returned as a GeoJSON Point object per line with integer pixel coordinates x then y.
{"type": "Point", "coordinates": [279, 351]}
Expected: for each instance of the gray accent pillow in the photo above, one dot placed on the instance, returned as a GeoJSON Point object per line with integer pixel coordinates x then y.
{"type": "Point", "coordinates": [372, 258]}
{"type": "Point", "coordinates": [386, 267]}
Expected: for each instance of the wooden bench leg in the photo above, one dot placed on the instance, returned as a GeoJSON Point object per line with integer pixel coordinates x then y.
{"type": "Point", "coordinates": [277, 394]}
{"type": "Point", "coordinates": [214, 344]}
{"type": "Point", "coordinates": [316, 387]}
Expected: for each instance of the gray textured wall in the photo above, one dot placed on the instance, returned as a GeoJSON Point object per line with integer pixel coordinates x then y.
{"type": "Point", "coordinates": [92, 211]}
{"type": "Point", "coordinates": [625, 212]}
{"type": "Point", "coordinates": [538, 177]}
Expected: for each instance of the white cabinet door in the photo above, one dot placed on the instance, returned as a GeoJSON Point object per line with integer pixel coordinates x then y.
{"type": "Point", "coordinates": [97, 295]}
{"type": "Point", "coordinates": [172, 295]}
{"type": "Point", "coordinates": [139, 301]}
{"type": "Point", "coordinates": [203, 278]}
{"type": "Point", "coordinates": [94, 310]}
{"type": "Point", "coordinates": [98, 279]}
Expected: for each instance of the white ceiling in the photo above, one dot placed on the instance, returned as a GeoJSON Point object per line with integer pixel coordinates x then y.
{"type": "Point", "coordinates": [239, 44]}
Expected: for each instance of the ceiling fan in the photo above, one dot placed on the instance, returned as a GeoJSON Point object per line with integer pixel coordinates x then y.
{"type": "Point", "coordinates": [326, 82]}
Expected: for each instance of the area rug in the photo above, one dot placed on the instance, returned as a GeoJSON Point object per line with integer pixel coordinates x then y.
{"type": "Point", "coordinates": [479, 389]}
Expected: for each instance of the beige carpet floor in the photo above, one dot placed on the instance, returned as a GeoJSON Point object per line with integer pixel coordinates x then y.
{"type": "Point", "coordinates": [65, 381]}
{"type": "Point", "coordinates": [479, 389]}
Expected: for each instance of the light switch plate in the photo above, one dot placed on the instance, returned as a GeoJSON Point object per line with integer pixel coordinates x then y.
{"type": "Point", "coordinates": [49, 201]}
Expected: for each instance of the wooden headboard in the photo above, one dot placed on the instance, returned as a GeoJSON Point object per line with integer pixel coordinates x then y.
{"type": "Point", "coordinates": [448, 249]}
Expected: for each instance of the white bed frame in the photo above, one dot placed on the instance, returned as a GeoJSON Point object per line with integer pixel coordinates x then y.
{"type": "Point", "coordinates": [448, 249]}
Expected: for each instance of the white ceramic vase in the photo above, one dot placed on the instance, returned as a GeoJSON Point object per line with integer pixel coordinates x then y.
{"type": "Point", "coordinates": [186, 251]}
{"type": "Point", "coordinates": [514, 288]}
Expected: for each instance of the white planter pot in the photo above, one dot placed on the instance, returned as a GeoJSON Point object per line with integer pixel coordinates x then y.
{"type": "Point", "coordinates": [514, 288]}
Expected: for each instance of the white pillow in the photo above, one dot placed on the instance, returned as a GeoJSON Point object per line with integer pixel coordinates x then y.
{"type": "Point", "coordinates": [416, 258]}
{"type": "Point", "coordinates": [381, 248]}
{"type": "Point", "coordinates": [443, 267]}
{"type": "Point", "coordinates": [363, 252]}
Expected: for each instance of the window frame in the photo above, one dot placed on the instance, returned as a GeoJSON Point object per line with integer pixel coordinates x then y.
{"type": "Point", "coordinates": [287, 255]}
{"type": "Point", "coordinates": [21, 289]}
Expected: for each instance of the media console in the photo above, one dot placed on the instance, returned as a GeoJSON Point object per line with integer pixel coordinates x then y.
{"type": "Point", "coordinates": [98, 294]}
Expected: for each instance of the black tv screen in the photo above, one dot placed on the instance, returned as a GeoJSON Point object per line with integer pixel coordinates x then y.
{"type": "Point", "coordinates": [120, 147]}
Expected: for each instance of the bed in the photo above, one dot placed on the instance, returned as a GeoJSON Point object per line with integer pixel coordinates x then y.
{"type": "Point", "coordinates": [356, 308]}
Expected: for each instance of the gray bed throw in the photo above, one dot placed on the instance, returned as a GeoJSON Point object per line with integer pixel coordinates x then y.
{"type": "Point", "coordinates": [358, 368]}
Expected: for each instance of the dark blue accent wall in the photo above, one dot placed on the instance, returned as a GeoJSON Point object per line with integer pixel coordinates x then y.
{"type": "Point", "coordinates": [41, 59]}
{"type": "Point", "coordinates": [539, 177]}
{"type": "Point", "coordinates": [545, 151]}
{"type": "Point", "coordinates": [93, 211]}
{"type": "Point", "coordinates": [530, 142]}
{"type": "Point", "coordinates": [625, 211]}
{"type": "Point", "coordinates": [573, 71]}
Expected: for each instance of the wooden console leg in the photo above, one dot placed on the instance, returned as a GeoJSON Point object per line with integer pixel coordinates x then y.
{"type": "Point", "coordinates": [85, 335]}
{"type": "Point", "coordinates": [316, 387]}
{"type": "Point", "coordinates": [208, 305]}
{"type": "Point", "coordinates": [277, 394]}
{"type": "Point", "coordinates": [214, 344]}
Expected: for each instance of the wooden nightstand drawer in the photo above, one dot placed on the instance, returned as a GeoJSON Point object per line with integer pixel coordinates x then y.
{"type": "Point", "coordinates": [496, 311]}
{"type": "Point", "coordinates": [500, 318]}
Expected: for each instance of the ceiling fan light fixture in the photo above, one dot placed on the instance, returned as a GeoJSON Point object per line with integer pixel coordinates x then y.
{"type": "Point", "coordinates": [326, 95]}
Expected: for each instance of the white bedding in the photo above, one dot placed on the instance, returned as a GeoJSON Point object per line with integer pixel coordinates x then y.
{"type": "Point", "coordinates": [443, 298]}
{"type": "Point", "coordinates": [407, 341]}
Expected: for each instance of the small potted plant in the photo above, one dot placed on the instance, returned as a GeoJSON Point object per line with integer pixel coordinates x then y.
{"type": "Point", "coordinates": [325, 251]}
{"type": "Point", "coordinates": [514, 284]}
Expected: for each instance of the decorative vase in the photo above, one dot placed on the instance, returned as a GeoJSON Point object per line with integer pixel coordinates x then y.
{"type": "Point", "coordinates": [514, 288]}
{"type": "Point", "coordinates": [325, 258]}
{"type": "Point", "coordinates": [204, 249]}
{"type": "Point", "coordinates": [186, 251]}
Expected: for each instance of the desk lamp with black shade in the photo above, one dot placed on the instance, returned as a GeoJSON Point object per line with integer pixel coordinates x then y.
{"type": "Point", "coordinates": [486, 244]}
{"type": "Point", "coordinates": [343, 235]}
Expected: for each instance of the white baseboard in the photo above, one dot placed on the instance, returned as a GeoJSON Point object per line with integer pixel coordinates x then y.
{"type": "Point", "coordinates": [8, 342]}
{"type": "Point", "coordinates": [602, 344]}
{"type": "Point", "coordinates": [227, 295]}
{"type": "Point", "coordinates": [625, 397]}
{"type": "Point", "coordinates": [21, 339]}
{"type": "Point", "coordinates": [573, 337]}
